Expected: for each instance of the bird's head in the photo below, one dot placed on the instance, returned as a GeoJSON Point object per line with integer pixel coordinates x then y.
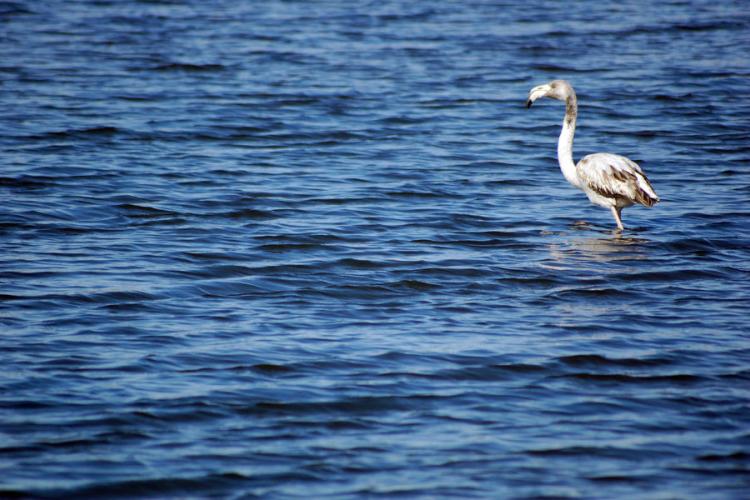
{"type": "Point", "coordinates": [556, 89]}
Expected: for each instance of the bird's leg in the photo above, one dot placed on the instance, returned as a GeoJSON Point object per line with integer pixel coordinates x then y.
{"type": "Point", "coordinates": [616, 212]}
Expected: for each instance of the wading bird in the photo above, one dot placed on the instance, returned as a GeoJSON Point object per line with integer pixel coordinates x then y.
{"type": "Point", "coordinates": [609, 180]}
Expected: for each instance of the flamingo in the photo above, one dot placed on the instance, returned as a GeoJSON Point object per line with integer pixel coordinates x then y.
{"type": "Point", "coordinates": [609, 180]}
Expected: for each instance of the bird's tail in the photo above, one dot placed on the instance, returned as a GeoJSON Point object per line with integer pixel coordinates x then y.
{"type": "Point", "coordinates": [645, 194]}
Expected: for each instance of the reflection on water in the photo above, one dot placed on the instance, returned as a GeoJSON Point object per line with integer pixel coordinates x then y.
{"type": "Point", "coordinates": [573, 250]}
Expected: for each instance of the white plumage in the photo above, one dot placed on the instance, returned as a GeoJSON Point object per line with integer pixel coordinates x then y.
{"type": "Point", "coordinates": [609, 180]}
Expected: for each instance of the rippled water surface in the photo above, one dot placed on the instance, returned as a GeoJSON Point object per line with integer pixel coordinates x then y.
{"type": "Point", "coordinates": [321, 249]}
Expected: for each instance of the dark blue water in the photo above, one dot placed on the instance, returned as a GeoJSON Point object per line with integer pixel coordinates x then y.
{"type": "Point", "coordinates": [321, 249]}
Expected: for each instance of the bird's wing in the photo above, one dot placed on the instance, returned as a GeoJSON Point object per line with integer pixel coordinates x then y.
{"type": "Point", "coordinates": [615, 176]}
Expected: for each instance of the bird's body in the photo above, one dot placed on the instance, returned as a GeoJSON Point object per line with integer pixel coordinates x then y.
{"type": "Point", "coordinates": [609, 180]}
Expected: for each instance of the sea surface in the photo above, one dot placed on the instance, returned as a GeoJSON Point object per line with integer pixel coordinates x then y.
{"type": "Point", "coordinates": [320, 249]}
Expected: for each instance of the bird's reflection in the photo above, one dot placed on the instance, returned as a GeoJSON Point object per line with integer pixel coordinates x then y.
{"type": "Point", "coordinates": [570, 250]}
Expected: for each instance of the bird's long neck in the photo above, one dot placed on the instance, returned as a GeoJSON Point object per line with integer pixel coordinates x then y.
{"type": "Point", "coordinates": [565, 142]}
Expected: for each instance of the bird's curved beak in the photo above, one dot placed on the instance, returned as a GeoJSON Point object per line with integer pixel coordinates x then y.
{"type": "Point", "coordinates": [536, 93]}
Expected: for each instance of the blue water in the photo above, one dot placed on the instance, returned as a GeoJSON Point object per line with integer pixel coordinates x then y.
{"type": "Point", "coordinates": [320, 249]}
